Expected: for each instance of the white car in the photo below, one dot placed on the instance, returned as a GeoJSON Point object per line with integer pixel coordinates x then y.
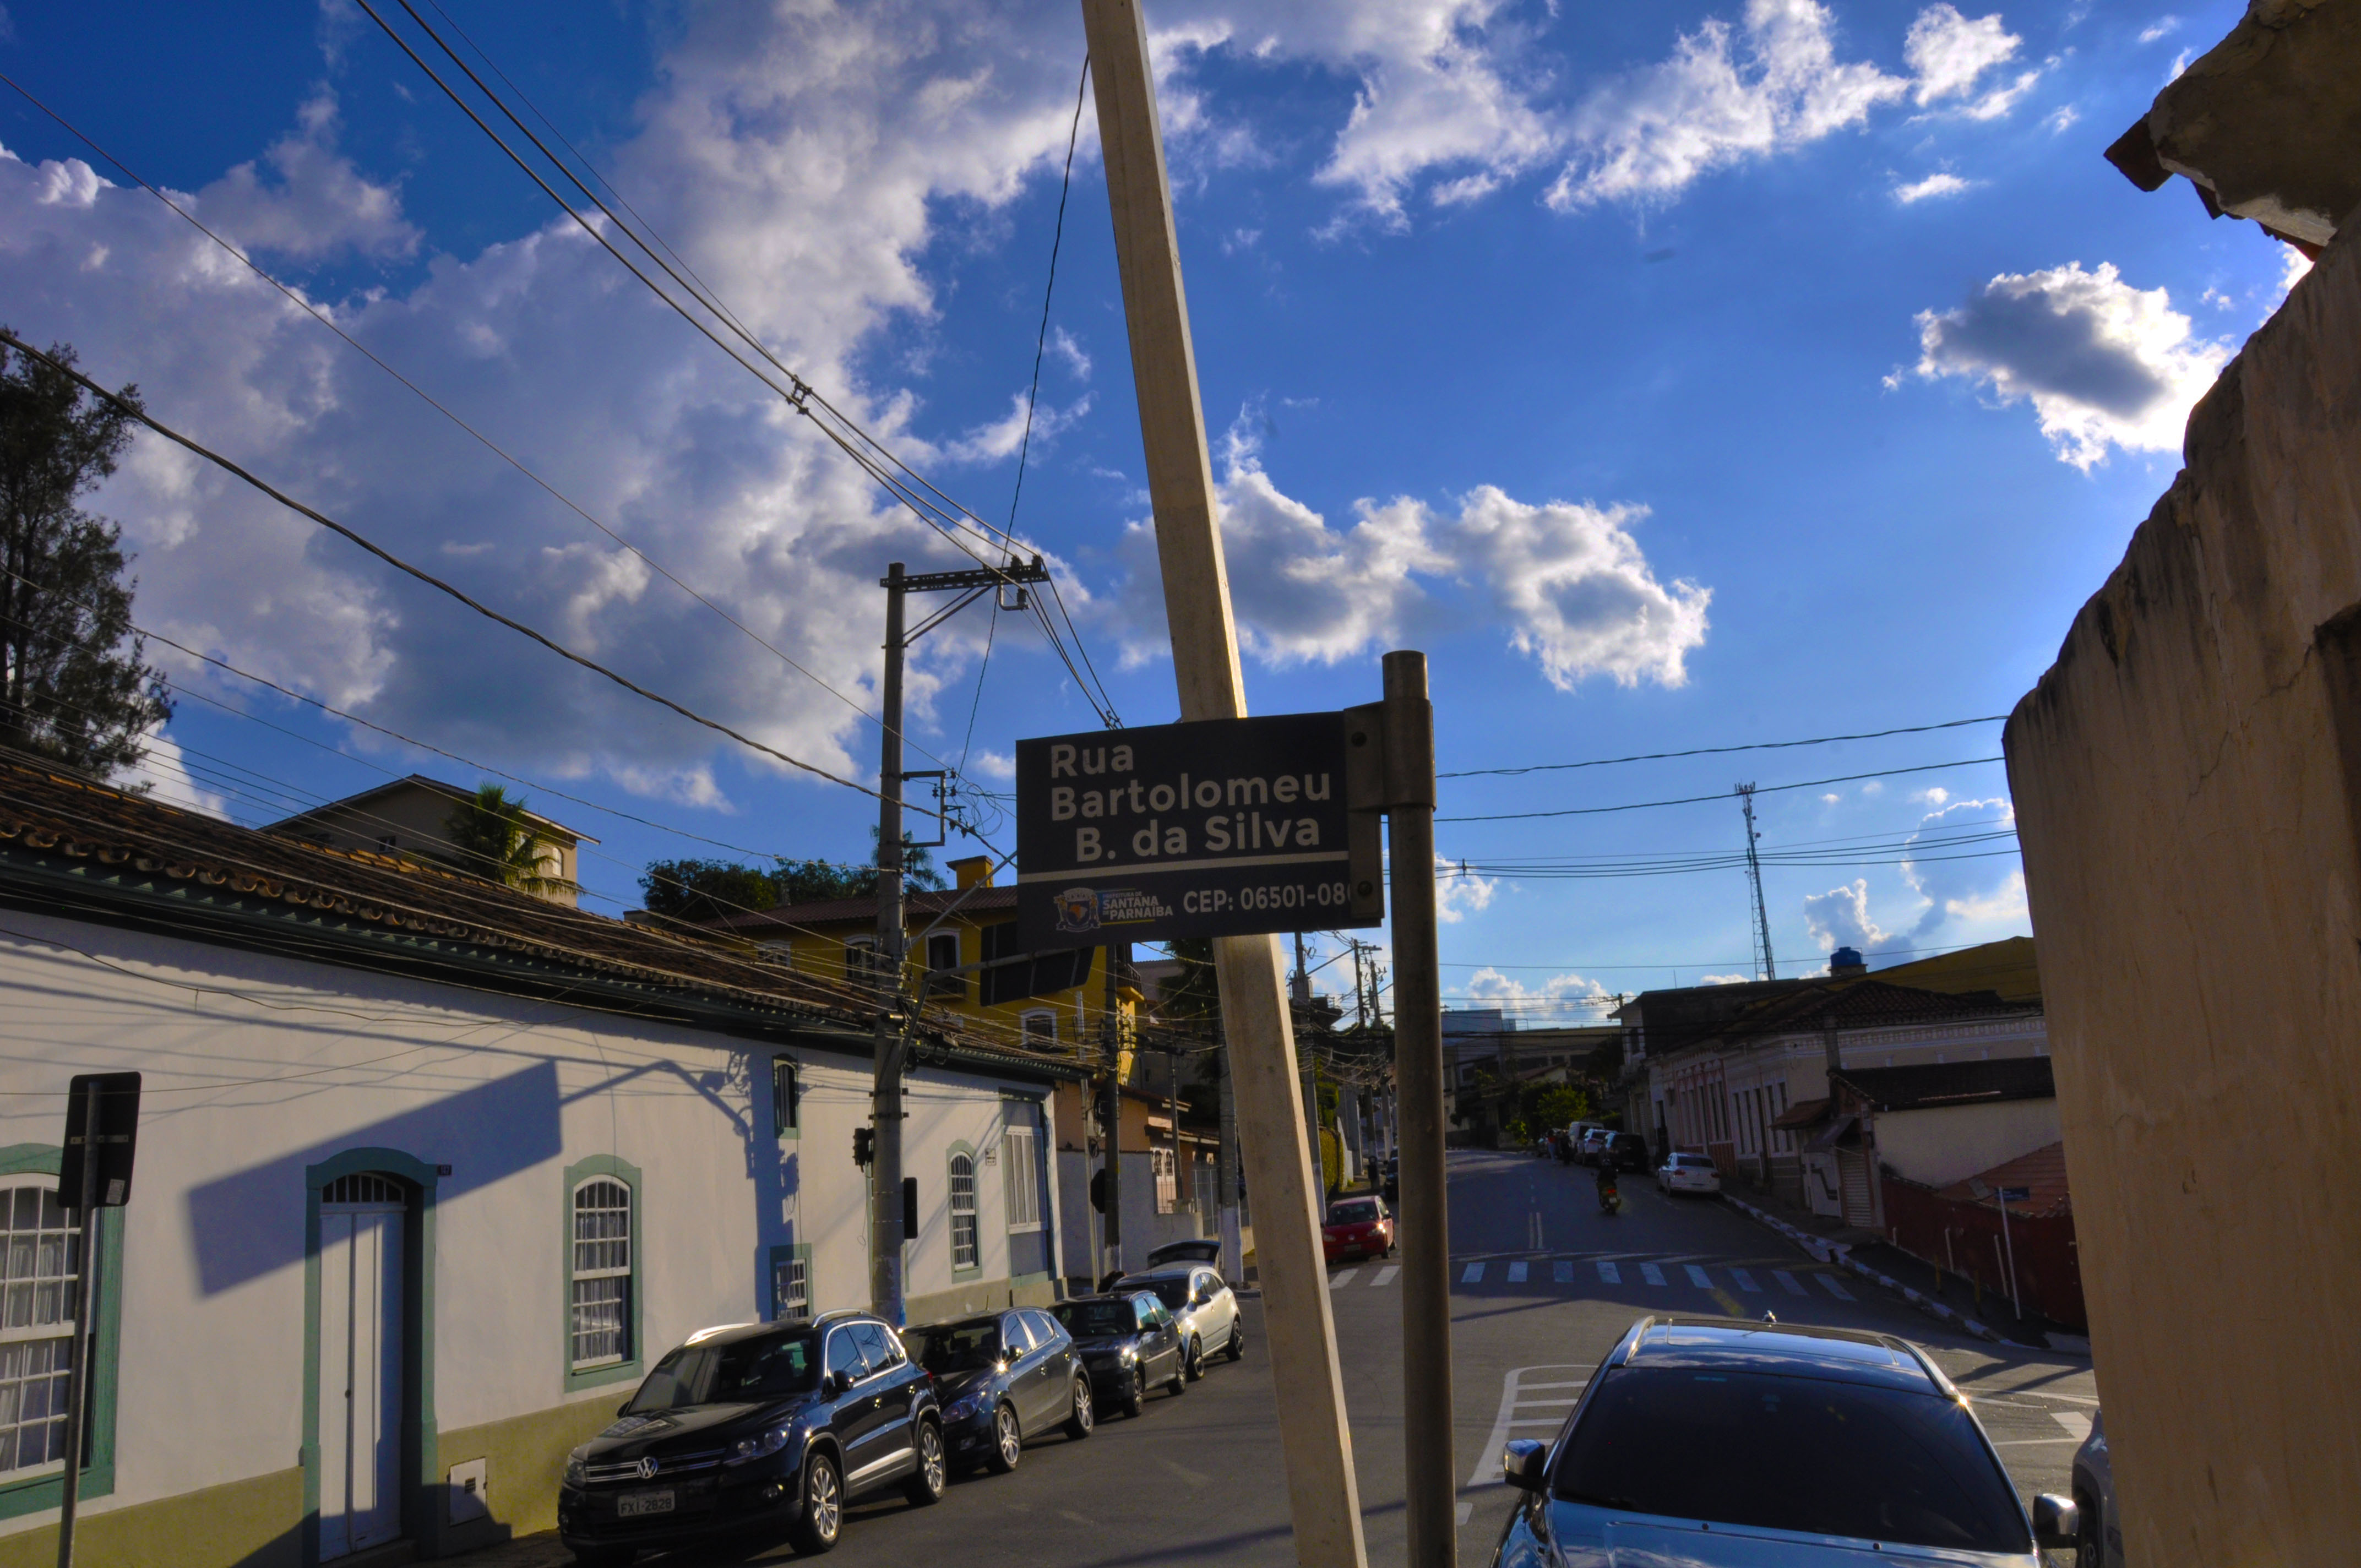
{"type": "Point", "coordinates": [1687, 1173]}
{"type": "Point", "coordinates": [1594, 1140]}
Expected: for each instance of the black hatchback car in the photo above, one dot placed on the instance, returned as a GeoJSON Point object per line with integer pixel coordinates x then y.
{"type": "Point", "coordinates": [1004, 1379]}
{"type": "Point", "coordinates": [760, 1426]}
{"type": "Point", "coordinates": [1128, 1343]}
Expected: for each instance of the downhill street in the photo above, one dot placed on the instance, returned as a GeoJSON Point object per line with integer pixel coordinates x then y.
{"type": "Point", "coordinates": [1543, 1285]}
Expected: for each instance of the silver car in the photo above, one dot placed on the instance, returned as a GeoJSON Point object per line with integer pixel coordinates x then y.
{"type": "Point", "coordinates": [1711, 1443]}
{"type": "Point", "coordinates": [2101, 1542]}
{"type": "Point", "coordinates": [1204, 1307]}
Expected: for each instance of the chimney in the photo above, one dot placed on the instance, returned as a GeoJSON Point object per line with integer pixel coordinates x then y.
{"type": "Point", "coordinates": [974, 871]}
{"type": "Point", "coordinates": [1845, 963]}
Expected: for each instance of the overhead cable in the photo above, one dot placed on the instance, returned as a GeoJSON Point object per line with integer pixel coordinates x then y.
{"type": "Point", "coordinates": [1718, 750]}
{"type": "Point", "coordinates": [1723, 794]}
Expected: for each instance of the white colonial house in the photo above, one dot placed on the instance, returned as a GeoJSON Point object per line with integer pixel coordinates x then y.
{"type": "Point", "coordinates": [1742, 1073]}
{"type": "Point", "coordinates": [428, 1173]}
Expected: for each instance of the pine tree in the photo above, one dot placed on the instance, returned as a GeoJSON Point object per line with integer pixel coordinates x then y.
{"type": "Point", "coordinates": [74, 683]}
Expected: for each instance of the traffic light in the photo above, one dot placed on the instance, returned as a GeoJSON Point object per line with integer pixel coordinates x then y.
{"type": "Point", "coordinates": [864, 1144]}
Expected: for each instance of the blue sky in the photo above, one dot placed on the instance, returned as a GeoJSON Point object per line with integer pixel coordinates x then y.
{"type": "Point", "coordinates": [1679, 375]}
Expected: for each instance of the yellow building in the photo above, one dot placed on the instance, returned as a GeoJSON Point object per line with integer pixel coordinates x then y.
{"type": "Point", "coordinates": [963, 957]}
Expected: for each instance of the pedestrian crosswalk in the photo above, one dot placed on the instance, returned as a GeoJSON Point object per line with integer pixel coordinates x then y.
{"type": "Point", "coordinates": [1625, 1271]}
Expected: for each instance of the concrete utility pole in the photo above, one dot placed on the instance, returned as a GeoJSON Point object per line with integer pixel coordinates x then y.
{"type": "Point", "coordinates": [891, 1045]}
{"type": "Point", "coordinates": [1323, 1494]}
{"type": "Point", "coordinates": [1111, 1115]}
{"type": "Point", "coordinates": [885, 1238]}
{"type": "Point", "coordinates": [1429, 1477]}
{"type": "Point", "coordinates": [1225, 1177]}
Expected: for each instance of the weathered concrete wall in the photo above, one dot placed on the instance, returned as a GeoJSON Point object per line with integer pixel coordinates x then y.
{"type": "Point", "coordinates": [1940, 1147]}
{"type": "Point", "coordinates": [2186, 787]}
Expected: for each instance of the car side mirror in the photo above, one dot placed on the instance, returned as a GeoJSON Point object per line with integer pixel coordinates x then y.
{"type": "Point", "coordinates": [2057, 1523]}
{"type": "Point", "coordinates": [837, 1383]}
{"type": "Point", "coordinates": [623, 1409]}
{"type": "Point", "coordinates": [1523, 1462]}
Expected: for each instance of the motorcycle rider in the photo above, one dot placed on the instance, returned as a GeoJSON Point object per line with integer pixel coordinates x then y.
{"type": "Point", "coordinates": [1606, 1193]}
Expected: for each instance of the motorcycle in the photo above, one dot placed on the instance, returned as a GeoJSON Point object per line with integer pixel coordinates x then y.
{"type": "Point", "coordinates": [1609, 1199]}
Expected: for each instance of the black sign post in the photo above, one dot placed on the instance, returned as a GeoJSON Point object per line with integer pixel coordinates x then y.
{"type": "Point", "coordinates": [1225, 828]}
{"type": "Point", "coordinates": [94, 1173]}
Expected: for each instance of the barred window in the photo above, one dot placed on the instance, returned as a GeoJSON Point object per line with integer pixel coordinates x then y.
{"type": "Point", "coordinates": [43, 1267]}
{"type": "Point", "coordinates": [963, 1253]}
{"type": "Point", "coordinates": [602, 1273]}
{"type": "Point", "coordinates": [1021, 1170]}
{"type": "Point", "coordinates": [790, 1284]}
{"type": "Point", "coordinates": [1168, 1180]}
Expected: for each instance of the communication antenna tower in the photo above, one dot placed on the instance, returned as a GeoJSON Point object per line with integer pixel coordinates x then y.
{"type": "Point", "coordinates": [1754, 877]}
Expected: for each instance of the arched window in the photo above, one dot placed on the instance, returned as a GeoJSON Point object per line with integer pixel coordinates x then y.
{"type": "Point", "coordinates": [601, 1274]}
{"type": "Point", "coordinates": [43, 1267]}
{"type": "Point", "coordinates": [962, 1211]}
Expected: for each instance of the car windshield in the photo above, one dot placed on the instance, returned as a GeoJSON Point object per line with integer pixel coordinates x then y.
{"type": "Point", "coordinates": [1352, 1213]}
{"type": "Point", "coordinates": [1173, 1293]}
{"type": "Point", "coordinates": [749, 1371]}
{"type": "Point", "coordinates": [1795, 1453]}
{"type": "Point", "coordinates": [949, 1348]}
{"type": "Point", "coordinates": [1091, 1319]}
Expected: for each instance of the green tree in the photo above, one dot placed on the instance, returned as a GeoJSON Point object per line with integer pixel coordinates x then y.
{"type": "Point", "coordinates": [705, 890]}
{"type": "Point", "coordinates": [74, 683]}
{"type": "Point", "coordinates": [491, 837]}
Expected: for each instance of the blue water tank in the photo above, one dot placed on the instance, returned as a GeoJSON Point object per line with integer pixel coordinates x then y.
{"type": "Point", "coordinates": [1847, 961]}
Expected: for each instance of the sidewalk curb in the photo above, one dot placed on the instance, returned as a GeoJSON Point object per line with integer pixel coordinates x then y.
{"type": "Point", "coordinates": [1825, 1251]}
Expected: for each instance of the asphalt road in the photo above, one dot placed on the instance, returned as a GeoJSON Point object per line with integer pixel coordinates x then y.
{"type": "Point", "coordinates": [1543, 1285]}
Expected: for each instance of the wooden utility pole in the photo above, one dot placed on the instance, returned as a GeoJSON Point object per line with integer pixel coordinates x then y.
{"type": "Point", "coordinates": [1323, 1495]}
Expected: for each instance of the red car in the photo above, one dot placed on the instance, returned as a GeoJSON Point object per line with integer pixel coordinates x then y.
{"type": "Point", "coordinates": [1357, 1227]}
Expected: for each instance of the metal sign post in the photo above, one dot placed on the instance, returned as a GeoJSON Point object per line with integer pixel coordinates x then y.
{"type": "Point", "coordinates": [2005, 1196]}
{"type": "Point", "coordinates": [94, 1173]}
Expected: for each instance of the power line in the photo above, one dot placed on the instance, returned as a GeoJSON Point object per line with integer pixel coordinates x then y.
{"type": "Point", "coordinates": [1719, 750]}
{"type": "Point", "coordinates": [134, 411]}
{"type": "Point", "coordinates": [1695, 799]}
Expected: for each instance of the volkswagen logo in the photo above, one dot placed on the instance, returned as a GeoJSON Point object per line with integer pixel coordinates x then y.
{"type": "Point", "coordinates": [648, 1468]}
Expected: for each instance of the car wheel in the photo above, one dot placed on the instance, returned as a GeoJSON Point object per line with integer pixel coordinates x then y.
{"type": "Point", "coordinates": [1236, 1349]}
{"type": "Point", "coordinates": [2090, 1538]}
{"type": "Point", "coordinates": [933, 1473]}
{"type": "Point", "coordinates": [1132, 1401]}
{"type": "Point", "coordinates": [1008, 1440]}
{"type": "Point", "coordinates": [1086, 1414]}
{"type": "Point", "coordinates": [1193, 1362]}
{"type": "Point", "coordinates": [604, 1556]}
{"type": "Point", "coordinates": [820, 1521]}
{"type": "Point", "coordinates": [1179, 1384]}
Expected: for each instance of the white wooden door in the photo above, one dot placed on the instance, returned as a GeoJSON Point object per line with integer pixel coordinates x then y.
{"type": "Point", "coordinates": [360, 1375]}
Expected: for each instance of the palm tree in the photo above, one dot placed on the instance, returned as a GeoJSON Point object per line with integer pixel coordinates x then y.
{"type": "Point", "coordinates": [492, 837]}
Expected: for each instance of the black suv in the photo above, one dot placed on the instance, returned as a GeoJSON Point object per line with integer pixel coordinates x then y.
{"type": "Point", "coordinates": [1625, 1151]}
{"type": "Point", "coordinates": [773, 1425]}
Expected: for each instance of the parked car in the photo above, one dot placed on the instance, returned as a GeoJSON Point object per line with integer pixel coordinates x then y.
{"type": "Point", "coordinates": [1391, 1187]}
{"type": "Point", "coordinates": [753, 1426]}
{"type": "Point", "coordinates": [1687, 1173]}
{"type": "Point", "coordinates": [1593, 1142]}
{"type": "Point", "coordinates": [1128, 1343]}
{"type": "Point", "coordinates": [1357, 1227]}
{"type": "Point", "coordinates": [2100, 1542]}
{"type": "Point", "coordinates": [1204, 1310]}
{"type": "Point", "coordinates": [1626, 1151]}
{"type": "Point", "coordinates": [1717, 1443]}
{"type": "Point", "coordinates": [1002, 1378]}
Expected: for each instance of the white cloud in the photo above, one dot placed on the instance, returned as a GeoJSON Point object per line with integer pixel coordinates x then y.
{"type": "Point", "coordinates": [1934, 186]}
{"type": "Point", "coordinates": [1934, 795]}
{"type": "Point", "coordinates": [1725, 978]}
{"type": "Point", "coordinates": [2160, 28]}
{"type": "Point", "coordinates": [1567, 579]}
{"type": "Point", "coordinates": [2103, 364]}
{"type": "Point", "coordinates": [2294, 267]}
{"type": "Point", "coordinates": [1841, 918]}
{"type": "Point", "coordinates": [800, 158]}
{"type": "Point", "coordinates": [1458, 894]}
{"type": "Point", "coordinates": [1000, 440]}
{"type": "Point", "coordinates": [1770, 84]}
{"type": "Point", "coordinates": [1063, 344]}
{"type": "Point", "coordinates": [1830, 799]}
{"type": "Point", "coordinates": [1559, 992]}
{"type": "Point", "coordinates": [2061, 119]}
{"type": "Point", "coordinates": [993, 764]}
{"type": "Point", "coordinates": [2179, 64]}
{"type": "Point", "coordinates": [1956, 886]}
{"type": "Point", "coordinates": [1439, 87]}
{"type": "Point", "coordinates": [1947, 52]}
{"type": "Point", "coordinates": [319, 206]}
{"type": "Point", "coordinates": [163, 772]}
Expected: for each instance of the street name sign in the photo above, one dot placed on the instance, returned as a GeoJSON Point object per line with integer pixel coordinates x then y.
{"type": "Point", "coordinates": [1223, 828]}
{"type": "Point", "coordinates": [2014, 1194]}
